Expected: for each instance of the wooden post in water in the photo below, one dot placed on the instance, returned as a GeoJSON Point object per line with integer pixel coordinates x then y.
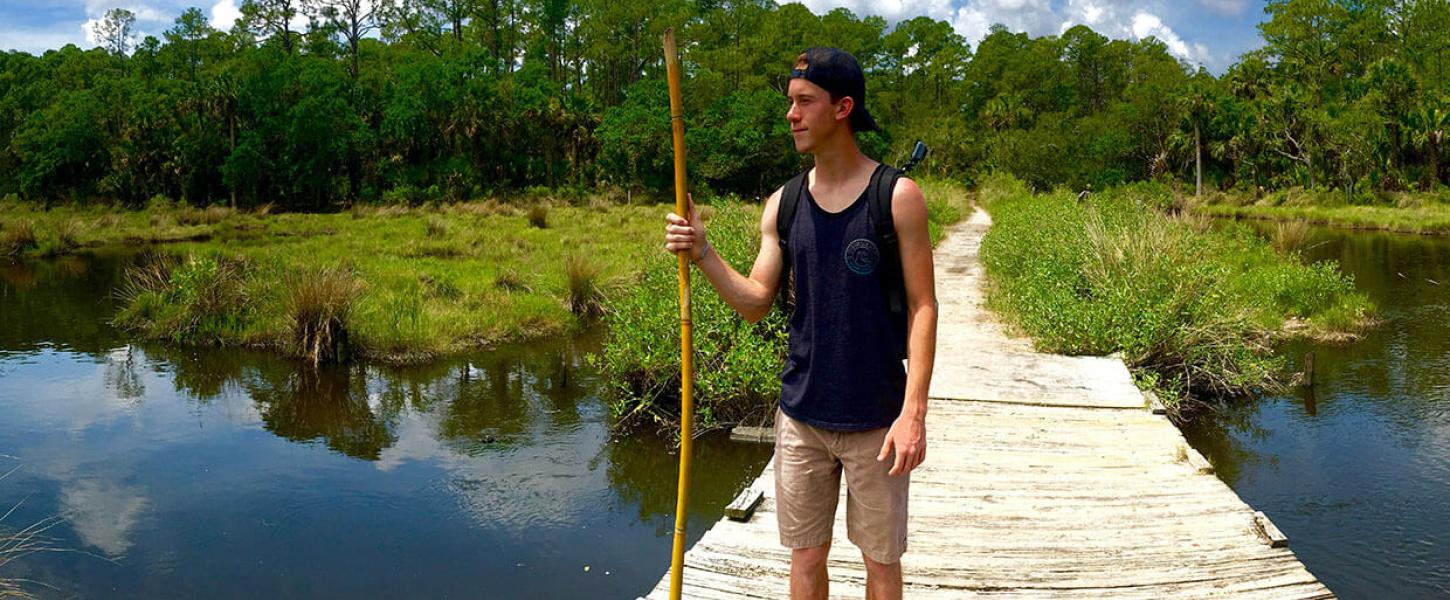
{"type": "Point", "coordinates": [687, 363]}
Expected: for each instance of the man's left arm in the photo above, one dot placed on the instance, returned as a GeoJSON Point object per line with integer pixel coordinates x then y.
{"type": "Point", "coordinates": [908, 432]}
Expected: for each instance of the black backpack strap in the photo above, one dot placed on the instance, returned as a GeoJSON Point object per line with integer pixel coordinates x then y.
{"type": "Point", "coordinates": [883, 184]}
{"type": "Point", "coordinates": [893, 282]}
{"type": "Point", "coordinates": [790, 201]}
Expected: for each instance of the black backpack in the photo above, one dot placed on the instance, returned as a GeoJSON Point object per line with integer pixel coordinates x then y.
{"type": "Point", "coordinates": [878, 200]}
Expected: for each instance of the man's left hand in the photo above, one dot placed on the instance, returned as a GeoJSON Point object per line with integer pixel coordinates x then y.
{"type": "Point", "coordinates": [908, 437]}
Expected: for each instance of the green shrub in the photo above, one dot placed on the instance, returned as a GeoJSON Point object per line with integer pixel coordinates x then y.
{"type": "Point", "coordinates": [737, 364]}
{"type": "Point", "coordinates": [202, 299]}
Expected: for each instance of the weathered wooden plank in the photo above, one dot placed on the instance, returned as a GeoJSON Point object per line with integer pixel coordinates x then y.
{"type": "Point", "coordinates": [754, 435]}
{"type": "Point", "coordinates": [744, 504]}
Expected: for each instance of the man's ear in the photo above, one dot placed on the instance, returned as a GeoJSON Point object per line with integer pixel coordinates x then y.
{"type": "Point", "coordinates": [848, 104]}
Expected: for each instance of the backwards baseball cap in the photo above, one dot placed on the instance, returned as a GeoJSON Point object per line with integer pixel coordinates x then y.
{"type": "Point", "coordinates": [837, 72]}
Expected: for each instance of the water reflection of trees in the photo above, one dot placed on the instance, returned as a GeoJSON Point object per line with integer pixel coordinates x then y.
{"type": "Point", "coordinates": [481, 402]}
{"type": "Point", "coordinates": [1398, 372]}
{"type": "Point", "coordinates": [643, 470]}
{"type": "Point", "coordinates": [66, 301]}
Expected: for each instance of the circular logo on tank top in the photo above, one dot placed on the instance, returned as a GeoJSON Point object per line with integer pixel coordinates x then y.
{"type": "Point", "coordinates": [862, 256]}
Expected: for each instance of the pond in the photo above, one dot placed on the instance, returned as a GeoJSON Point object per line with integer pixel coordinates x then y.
{"type": "Point", "coordinates": [216, 473]}
{"type": "Point", "coordinates": [1356, 470]}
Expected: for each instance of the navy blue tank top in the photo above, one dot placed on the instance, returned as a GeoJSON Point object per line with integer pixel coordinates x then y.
{"type": "Point", "coordinates": [841, 373]}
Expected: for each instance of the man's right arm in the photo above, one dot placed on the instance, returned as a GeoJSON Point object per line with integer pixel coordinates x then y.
{"type": "Point", "coordinates": [750, 296]}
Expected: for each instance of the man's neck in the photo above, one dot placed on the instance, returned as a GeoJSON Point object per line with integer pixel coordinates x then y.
{"type": "Point", "coordinates": [838, 161]}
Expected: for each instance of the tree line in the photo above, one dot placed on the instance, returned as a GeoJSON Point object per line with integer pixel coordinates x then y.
{"type": "Point", "coordinates": [415, 100]}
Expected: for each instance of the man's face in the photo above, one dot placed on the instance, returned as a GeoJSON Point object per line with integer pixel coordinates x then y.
{"type": "Point", "coordinates": [812, 116]}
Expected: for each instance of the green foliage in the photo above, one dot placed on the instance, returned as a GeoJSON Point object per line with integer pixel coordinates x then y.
{"type": "Point", "coordinates": [736, 363]}
{"type": "Point", "coordinates": [493, 279]}
{"type": "Point", "coordinates": [200, 298]}
{"type": "Point", "coordinates": [1195, 311]}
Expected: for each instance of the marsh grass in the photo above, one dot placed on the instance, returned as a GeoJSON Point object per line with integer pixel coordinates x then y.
{"type": "Point", "coordinates": [16, 544]}
{"type": "Point", "coordinates": [1406, 212]}
{"type": "Point", "coordinates": [510, 281]}
{"type": "Point", "coordinates": [1288, 237]}
{"type": "Point", "coordinates": [587, 296]}
{"type": "Point", "coordinates": [64, 238]}
{"type": "Point", "coordinates": [319, 305]}
{"type": "Point", "coordinates": [539, 216]}
{"type": "Point", "coordinates": [1194, 310]}
{"type": "Point", "coordinates": [200, 298]}
{"type": "Point", "coordinates": [436, 227]}
{"type": "Point", "coordinates": [16, 238]}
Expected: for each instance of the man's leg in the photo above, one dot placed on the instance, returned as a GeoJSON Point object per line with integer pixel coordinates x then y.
{"type": "Point", "coordinates": [807, 484]}
{"type": "Point", "coordinates": [883, 581]}
{"type": "Point", "coordinates": [808, 579]}
{"type": "Point", "coordinates": [875, 511]}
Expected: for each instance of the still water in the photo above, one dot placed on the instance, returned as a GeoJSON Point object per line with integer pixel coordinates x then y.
{"type": "Point", "coordinates": [1356, 470]}
{"type": "Point", "coordinates": [203, 473]}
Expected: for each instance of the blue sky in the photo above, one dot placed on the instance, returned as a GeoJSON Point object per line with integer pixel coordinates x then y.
{"type": "Point", "coordinates": [1208, 32]}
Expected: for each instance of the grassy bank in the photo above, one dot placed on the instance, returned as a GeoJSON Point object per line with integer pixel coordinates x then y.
{"type": "Point", "coordinates": [1194, 308]}
{"type": "Point", "coordinates": [737, 364]}
{"type": "Point", "coordinates": [389, 283]}
{"type": "Point", "coordinates": [1422, 213]}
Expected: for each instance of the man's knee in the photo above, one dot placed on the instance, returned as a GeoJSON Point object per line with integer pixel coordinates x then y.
{"type": "Point", "coordinates": [881, 569]}
{"type": "Point", "coordinates": [810, 558]}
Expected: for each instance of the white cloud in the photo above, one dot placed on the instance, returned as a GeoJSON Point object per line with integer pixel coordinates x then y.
{"type": "Point", "coordinates": [224, 13]}
{"type": "Point", "coordinates": [103, 513]}
{"type": "Point", "coordinates": [1146, 24]}
{"type": "Point", "coordinates": [973, 19]}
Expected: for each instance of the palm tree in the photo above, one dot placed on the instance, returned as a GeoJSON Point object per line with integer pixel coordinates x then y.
{"type": "Point", "coordinates": [1427, 127]}
{"type": "Point", "coordinates": [1197, 109]}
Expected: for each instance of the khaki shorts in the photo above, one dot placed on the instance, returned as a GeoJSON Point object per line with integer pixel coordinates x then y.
{"type": "Point", "coordinates": [808, 467]}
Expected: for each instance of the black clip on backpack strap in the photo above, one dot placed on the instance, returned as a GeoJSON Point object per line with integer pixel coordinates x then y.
{"type": "Point", "coordinates": [883, 183]}
{"type": "Point", "coordinates": [790, 200]}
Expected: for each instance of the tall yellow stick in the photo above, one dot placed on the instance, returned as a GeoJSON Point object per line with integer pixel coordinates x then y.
{"type": "Point", "coordinates": [687, 361]}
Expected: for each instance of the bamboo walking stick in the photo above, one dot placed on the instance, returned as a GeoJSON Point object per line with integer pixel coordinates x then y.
{"type": "Point", "coordinates": [687, 362]}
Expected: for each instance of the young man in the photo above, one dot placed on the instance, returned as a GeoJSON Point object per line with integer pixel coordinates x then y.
{"type": "Point", "coordinates": [847, 403]}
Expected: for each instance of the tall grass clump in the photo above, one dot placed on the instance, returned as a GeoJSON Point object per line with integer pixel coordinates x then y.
{"type": "Point", "coordinates": [16, 238]}
{"type": "Point", "coordinates": [584, 279]}
{"type": "Point", "coordinates": [1288, 236]}
{"type": "Point", "coordinates": [1194, 311]}
{"type": "Point", "coordinates": [64, 240]}
{"type": "Point", "coordinates": [201, 299]}
{"type": "Point", "coordinates": [737, 364]}
{"type": "Point", "coordinates": [436, 227]}
{"type": "Point", "coordinates": [319, 303]}
{"type": "Point", "coordinates": [539, 216]}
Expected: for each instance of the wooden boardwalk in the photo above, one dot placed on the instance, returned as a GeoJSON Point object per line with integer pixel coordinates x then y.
{"type": "Point", "coordinates": [1046, 477]}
